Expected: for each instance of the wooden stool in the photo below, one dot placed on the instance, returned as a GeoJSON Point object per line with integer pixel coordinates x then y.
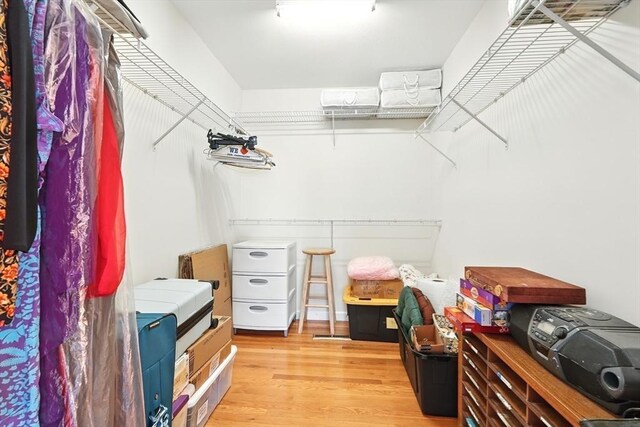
{"type": "Point", "coordinates": [327, 279]}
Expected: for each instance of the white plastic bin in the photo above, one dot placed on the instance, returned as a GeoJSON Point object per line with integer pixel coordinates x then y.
{"type": "Point", "coordinates": [202, 404]}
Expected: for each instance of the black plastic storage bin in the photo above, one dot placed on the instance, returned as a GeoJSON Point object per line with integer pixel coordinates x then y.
{"type": "Point", "coordinates": [371, 319]}
{"type": "Point", "coordinates": [434, 377]}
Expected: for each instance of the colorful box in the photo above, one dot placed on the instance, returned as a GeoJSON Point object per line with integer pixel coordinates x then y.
{"type": "Point", "coordinates": [481, 314]}
{"type": "Point", "coordinates": [464, 323]}
{"type": "Point", "coordinates": [483, 296]}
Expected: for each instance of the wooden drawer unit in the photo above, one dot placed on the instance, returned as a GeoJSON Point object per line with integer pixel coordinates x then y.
{"type": "Point", "coordinates": [264, 288]}
{"type": "Point", "coordinates": [500, 385]}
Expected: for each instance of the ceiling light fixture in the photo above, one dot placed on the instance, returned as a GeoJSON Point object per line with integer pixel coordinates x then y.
{"type": "Point", "coordinates": [323, 8]}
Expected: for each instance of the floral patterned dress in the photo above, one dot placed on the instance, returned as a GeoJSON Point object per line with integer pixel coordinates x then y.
{"type": "Point", "coordinates": [19, 361]}
{"type": "Point", "coordinates": [8, 258]}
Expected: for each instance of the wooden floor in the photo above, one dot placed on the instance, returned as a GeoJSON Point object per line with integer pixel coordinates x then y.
{"type": "Point", "coordinates": [299, 381]}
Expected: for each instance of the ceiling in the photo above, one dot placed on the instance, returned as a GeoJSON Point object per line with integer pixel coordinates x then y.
{"type": "Point", "coordinates": [262, 51]}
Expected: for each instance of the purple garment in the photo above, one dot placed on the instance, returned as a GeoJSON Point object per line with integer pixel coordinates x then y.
{"type": "Point", "coordinates": [68, 197]}
{"type": "Point", "coordinates": [19, 393]}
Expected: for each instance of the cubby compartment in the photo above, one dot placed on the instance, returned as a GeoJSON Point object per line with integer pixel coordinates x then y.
{"type": "Point", "coordinates": [475, 363]}
{"type": "Point", "coordinates": [479, 383]}
{"type": "Point", "coordinates": [471, 409]}
{"type": "Point", "coordinates": [509, 379]}
{"type": "Point", "coordinates": [499, 413]}
{"type": "Point", "coordinates": [509, 401]}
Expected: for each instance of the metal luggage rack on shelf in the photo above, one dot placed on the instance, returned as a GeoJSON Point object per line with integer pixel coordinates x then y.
{"type": "Point", "coordinates": [144, 69]}
{"type": "Point", "coordinates": [538, 32]}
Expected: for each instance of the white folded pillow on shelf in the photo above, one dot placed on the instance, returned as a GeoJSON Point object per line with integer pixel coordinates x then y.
{"type": "Point", "coordinates": [396, 80]}
{"type": "Point", "coordinates": [417, 98]}
{"type": "Point", "coordinates": [350, 98]}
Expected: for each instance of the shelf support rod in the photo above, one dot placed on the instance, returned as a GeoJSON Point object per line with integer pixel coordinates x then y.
{"type": "Point", "coordinates": [486, 126]}
{"type": "Point", "coordinates": [624, 67]}
{"type": "Point", "coordinates": [436, 148]}
{"type": "Point", "coordinates": [333, 128]}
{"type": "Point", "coordinates": [175, 125]}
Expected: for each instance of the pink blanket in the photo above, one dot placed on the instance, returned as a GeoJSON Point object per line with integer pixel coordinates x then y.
{"type": "Point", "coordinates": [372, 268]}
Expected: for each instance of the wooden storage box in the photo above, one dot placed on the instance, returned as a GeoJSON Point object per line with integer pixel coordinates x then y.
{"type": "Point", "coordinates": [517, 285]}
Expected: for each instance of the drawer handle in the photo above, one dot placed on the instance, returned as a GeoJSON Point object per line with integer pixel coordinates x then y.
{"type": "Point", "coordinates": [258, 281]}
{"type": "Point", "coordinates": [258, 254]}
{"type": "Point", "coordinates": [258, 308]}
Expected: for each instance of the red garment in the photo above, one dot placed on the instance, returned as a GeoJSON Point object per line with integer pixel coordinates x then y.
{"type": "Point", "coordinates": [109, 213]}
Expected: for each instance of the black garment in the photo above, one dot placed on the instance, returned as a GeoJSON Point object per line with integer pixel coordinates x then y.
{"type": "Point", "coordinates": [22, 186]}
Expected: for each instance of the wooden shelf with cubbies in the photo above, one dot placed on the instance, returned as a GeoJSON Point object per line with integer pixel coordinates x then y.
{"type": "Point", "coordinates": [500, 385]}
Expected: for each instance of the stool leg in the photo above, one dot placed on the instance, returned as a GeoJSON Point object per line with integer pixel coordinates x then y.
{"type": "Point", "coordinates": [332, 308]}
{"type": "Point", "coordinates": [305, 291]}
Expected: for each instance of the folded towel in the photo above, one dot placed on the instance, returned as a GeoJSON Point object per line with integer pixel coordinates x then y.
{"type": "Point", "coordinates": [410, 98]}
{"type": "Point", "coordinates": [395, 80]}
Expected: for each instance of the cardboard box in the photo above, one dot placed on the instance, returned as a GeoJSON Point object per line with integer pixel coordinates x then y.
{"type": "Point", "coordinates": [209, 344]}
{"type": "Point", "coordinates": [483, 296]}
{"type": "Point", "coordinates": [181, 375]}
{"type": "Point", "coordinates": [365, 289]}
{"type": "Point", "coordinates": [210, 264]}
{"type": "Point", "coordinates": [481, 314]}
{"type": "Point", "coordinates": [426, 339]}
{"type": "Point", "coordinates": [201, 376]}
{"type": "Point", "coordinates": [464, 323]}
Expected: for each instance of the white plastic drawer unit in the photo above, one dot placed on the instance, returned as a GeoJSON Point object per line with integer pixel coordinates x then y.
{"type": "Point", "coordinates": [258, 315]}
{"type": "Point", "coordinates": [263, 257]}
{"type": "Point", "coordinates": [263, 287]}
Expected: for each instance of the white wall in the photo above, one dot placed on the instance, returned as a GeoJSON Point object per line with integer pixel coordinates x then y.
{"type": "Point", "coordinates": [176, 201]}
{"type": "Point", "coordinates": [370, 173]}
{"type": "Point", "coordinates": [564, 200]}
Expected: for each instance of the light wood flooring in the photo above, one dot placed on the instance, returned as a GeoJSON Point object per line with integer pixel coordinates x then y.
{"type": "Point", "coordinates": [299, 381]}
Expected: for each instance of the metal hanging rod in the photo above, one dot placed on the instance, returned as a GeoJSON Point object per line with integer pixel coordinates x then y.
{"type": "Point", "coordinates": [147, 71]}
{"type": "Point", "coordinates": [537, 34]}
{"type": "Point", "coordinates": [332, 223]}
{"type": "Point", "coordinates": [339, 222]}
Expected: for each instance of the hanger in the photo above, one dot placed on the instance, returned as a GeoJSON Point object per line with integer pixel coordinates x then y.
{"type": "Point", "coordinates": [238, 152]}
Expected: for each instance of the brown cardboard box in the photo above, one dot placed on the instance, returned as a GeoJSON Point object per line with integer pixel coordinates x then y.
{"type": "Point", "coordinates": [209, 344]}
{"type": "Point", "coordinates": [199, 378]}
{"type": "Point", "coordinates": [389, 289]}
{"type": "Point", "coordinates": [210, 264]}
{"type": "Point", "coordinates": [426, 338]}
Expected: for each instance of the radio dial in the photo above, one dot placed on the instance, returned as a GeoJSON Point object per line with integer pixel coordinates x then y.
{"type": "Point", "coordinates": [560, 332]}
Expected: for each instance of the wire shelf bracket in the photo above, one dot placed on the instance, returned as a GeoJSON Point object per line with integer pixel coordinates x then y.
{"type": "Point", "coordinates": [483, 124]}
{"type": "Point", "coordinates": [538, 33]}
{"type": "Point", "coordinates": [418, 135]}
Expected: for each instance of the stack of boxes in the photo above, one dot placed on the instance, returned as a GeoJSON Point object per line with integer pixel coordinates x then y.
{"type": "Point", "coordinates": [203, 372]}
{"type": "Point", "coordinates": [487, 294]}
{"type": "Point", "coordinates": [478, 310]}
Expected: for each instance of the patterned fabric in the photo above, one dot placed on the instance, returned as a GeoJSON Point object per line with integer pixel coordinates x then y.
{"type": "Point", "coordinates": [19, 392]}
{"type": "Point", "coordinates": [8, 258]}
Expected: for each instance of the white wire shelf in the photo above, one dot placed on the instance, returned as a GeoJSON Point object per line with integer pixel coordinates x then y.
{"type": "Point", "coordinates": [260, 118]}
{"type": "Point", "coordinates": [536, 35]}
{"type": "Point", "coordinates": [147, 71]}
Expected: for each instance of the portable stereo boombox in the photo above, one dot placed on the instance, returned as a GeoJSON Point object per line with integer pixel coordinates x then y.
{"type": "Point", "coordinates": [595, 352]}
